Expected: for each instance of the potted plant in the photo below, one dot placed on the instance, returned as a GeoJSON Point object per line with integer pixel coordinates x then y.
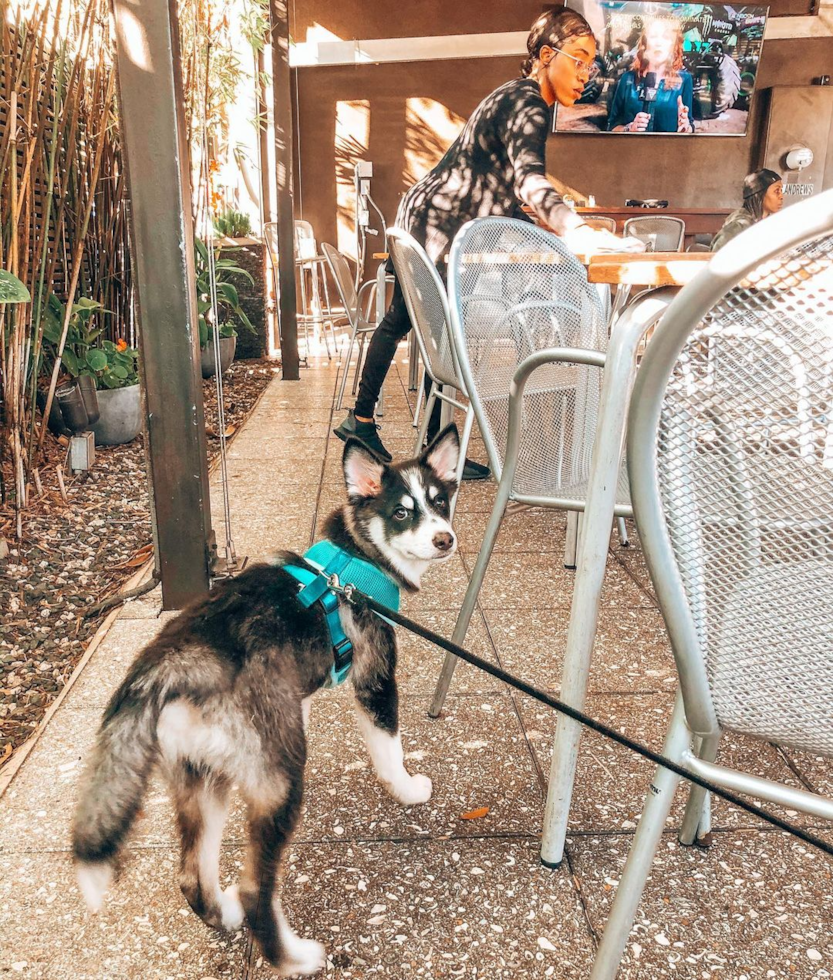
{"type": "Point", "coordinates": [87, 360]}
{"type": "Point", "coordinates": [250, 255]}
{"type": "Point", "coordinates": [229, 312]}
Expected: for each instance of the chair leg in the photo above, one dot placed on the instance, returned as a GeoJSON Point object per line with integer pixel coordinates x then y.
{"type": "Point", "coordinates": [571, 544]}
{"type": "Point", "coordinates": [472, 592]}
{"type": "Point", "coordinates": [345, 369]}
{"type": "Point", "coordinates": [359, 359]}
{"type": "Point", "coordinates": [420, 397]}
{"type": "Point", "coordinates": [697, 819]}
{"type": "Point", "coordinates": [624, 540]}
{"type": "Point", "coordinates": [641, 856]}
{"type": "Point", "coordinates": [423, 429]}
{"type": "Point", "coordinates": [464, 445]}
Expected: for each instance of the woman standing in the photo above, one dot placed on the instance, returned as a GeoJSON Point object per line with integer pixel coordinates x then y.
{"type": "Point", "coordinates": [763, 195]}
{"type": "Point", "coordinates": [659, 52]}
{"type": "Point", "coordinates": [496, 163]}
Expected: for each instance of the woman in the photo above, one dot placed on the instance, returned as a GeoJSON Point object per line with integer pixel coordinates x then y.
{"type": "Point", "coordinates": [763, 195]}
{"type": "Point", "coordinates": [660, 52]}
{"type": "Point", "coordinates": [497, 161]}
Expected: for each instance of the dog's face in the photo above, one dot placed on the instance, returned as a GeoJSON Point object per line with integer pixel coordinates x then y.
{"type": "Point", "coordinates": [403, 510]}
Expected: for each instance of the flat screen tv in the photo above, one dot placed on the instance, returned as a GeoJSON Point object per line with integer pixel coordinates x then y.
{"type": "Point", "coordinates": [668, 69]}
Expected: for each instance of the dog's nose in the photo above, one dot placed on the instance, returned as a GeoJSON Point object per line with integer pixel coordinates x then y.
{"type": "Point", "coordinates": [443, 541]}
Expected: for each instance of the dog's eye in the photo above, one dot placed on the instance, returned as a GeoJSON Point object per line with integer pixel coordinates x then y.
{"type": "Point", "coordinates": [400, 514]}
{"type": "Point", "coordinates": [440, 501]}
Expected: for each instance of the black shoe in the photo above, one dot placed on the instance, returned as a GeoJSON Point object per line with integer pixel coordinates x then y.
{"type": "Point", "coordinates": [367, 432]}
{"type": "Point", "coordinates": [475, 471]}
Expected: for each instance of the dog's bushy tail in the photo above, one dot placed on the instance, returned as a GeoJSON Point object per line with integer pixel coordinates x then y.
{"type": "Point", "coordinates": [115, 781]}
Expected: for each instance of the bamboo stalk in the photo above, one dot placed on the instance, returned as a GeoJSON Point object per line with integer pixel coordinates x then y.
{"type": "Point", "coordinates": [78, 257]}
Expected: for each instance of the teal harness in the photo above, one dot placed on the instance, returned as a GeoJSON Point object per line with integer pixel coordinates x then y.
{"type": "Point", "coordinates": [335, 566]}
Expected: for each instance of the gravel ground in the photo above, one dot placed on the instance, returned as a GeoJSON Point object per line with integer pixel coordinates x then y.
{"type": "Point", "coordinates": [74, 554]}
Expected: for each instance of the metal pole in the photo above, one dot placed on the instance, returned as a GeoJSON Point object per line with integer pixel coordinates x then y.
{"type": "Point", "coordinates": [287, 317]}
{"type": "Point", "coordinates": [157, 164]}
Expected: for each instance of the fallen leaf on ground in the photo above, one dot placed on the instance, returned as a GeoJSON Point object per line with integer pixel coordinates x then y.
{"type": "Point", "coordinates": [137, 558]}
{"type": "Point", "coordinates": [481, 811]}
{"type": "Point", "coordinates": [230, 430]}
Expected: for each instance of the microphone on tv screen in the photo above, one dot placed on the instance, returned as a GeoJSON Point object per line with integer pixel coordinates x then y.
{"type": "Point", "coordinates": [648, 94]}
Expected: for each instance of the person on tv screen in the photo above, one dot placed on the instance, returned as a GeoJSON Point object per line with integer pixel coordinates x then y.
{"type": "Point", "coordinates": [763, 195]}
{"type": "Point", "coordinates": [657, 95]}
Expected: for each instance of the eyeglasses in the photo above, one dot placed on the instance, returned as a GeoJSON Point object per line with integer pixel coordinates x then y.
{"type": "Point", "coordinates": [586, 68]}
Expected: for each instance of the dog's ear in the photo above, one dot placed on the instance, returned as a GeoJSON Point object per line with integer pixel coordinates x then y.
{"type": "Point", "coordinates": [443, 454]}
{"type": "Point", "coordinates": [363, 470]}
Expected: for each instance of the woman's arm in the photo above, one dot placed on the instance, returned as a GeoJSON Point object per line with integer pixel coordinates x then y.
{"type": "Point", "coordinates": [526, 146]}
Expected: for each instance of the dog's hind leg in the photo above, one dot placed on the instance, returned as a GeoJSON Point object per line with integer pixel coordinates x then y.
{"type": "Point", "coordinates": [201, 799]}
{"type": "Point", "coordinates": [377, 712]}
{"type": "Point", "coordinates": [271, 825]}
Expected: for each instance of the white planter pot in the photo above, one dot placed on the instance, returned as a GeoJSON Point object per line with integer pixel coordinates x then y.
{"type": "Point", "coordinates": [121, 416]}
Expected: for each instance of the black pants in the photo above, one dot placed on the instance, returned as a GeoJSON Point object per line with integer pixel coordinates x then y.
{"type": "Point", "coordinates": [380, 353]}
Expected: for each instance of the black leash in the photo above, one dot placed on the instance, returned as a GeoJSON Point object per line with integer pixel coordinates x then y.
{"type": "Point", "coordinates": [358, 598]}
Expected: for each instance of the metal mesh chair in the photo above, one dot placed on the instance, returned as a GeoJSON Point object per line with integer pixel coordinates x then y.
{"type": "Point", "coordinates": [601, 223]}
{"type": "Point", "coordinates": [660, 234]}
{"type": "Point", "coordinates": [530, 335]}
{"type": "Point", "coordinates": [315, 294]}
{"type": "Point", "coordinates": [356, 308]}
{"type": "Point", "coordinates": [730, 452]}
{"type": "Point", "coordinates": [427, 303]}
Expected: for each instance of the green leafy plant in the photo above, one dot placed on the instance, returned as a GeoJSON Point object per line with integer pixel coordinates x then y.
{"type": "Point", "coordinates": [233, 224]}
{"type": "Point", "coordinates": [229, 312]}
{"type": "Point", "coordinates": [12, 289]}
{"type": "Point", "coordinates": [113, 365]}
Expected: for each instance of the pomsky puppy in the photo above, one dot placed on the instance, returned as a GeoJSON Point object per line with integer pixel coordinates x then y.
{"type": "Point", "coordinates": [222, 696]}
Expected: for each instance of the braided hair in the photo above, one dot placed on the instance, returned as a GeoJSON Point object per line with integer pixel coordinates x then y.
{"type": "Point", "coordinates": [553, 28]}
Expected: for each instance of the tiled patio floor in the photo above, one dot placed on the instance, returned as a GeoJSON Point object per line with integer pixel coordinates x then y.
{"type": "Point", "coordinates": [419, 892]}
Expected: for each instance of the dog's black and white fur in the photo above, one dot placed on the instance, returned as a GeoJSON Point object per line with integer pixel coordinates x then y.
{"type": "Point", "coordinates": [222, 696]}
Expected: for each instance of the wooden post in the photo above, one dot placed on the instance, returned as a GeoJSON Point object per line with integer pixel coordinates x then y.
{"type": "Point", "coordinates": [157, 163]}
{"type": "Point", "coordinates": [287, 312]}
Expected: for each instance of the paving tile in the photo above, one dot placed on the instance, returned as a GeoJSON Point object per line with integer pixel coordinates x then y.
{"type": "Point", "coordinates": [484, 908]}
{"type": "Point", "coordinates": [279, 478]}
{"type": "Point", "coordinates": [755, 906]}
{"type": "Point", "coordinates": [632, 652]}
{"type": "Point", "coordinates": [420, 662]}
{"type": "Point", "coordinates": [145, 931]}
{"type": "Point", "coordinates": [107, 667]}
{"type": "Point", "coordinates": [255, 498]}
{"type": "Point", "coordinates": [518, 581]}
{"type": "Point", "coordinates": [247, 446]}
{"type": "Point", "coordinates": [147, 606]}
{"type": "Point", "coordinates": [536, 531]}
{"type": "Point", "coordinates": [611, 782]}
{"type": "Point", "coordinates": [475, 754]}
{"type": "Point", "coordinates": [258, 538]}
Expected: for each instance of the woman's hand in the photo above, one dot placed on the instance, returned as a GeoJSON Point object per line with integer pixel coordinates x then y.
{"type": "Point", "coordinates": [639, 123]}
{"type": "Point", "coordinates": [683, 122]}
{"type": "Point", "coordinates": [585, 240]}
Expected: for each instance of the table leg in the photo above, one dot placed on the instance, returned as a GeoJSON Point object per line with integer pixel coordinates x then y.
{"type": "Point", "coordinates": [619, 374]}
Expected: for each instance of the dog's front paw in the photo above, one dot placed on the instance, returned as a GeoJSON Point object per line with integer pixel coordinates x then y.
{"type": "Point", "coordinates": [232, 909]}
{"type": "Point", "coordinates": [303, 958]}
{"type": "Point", "coordinates": [416, 789]}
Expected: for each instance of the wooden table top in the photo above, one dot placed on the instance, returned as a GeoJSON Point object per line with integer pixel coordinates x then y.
{"type": "Point", "coordinates": [627, 268]}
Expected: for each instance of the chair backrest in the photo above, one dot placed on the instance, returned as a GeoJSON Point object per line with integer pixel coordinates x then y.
{"type": "Point", "coordinates": [427, 303]}
{"type": "Point", "coordinates": [601, 223]}
{"type": "Point", "coordinates": [343, 276]}
{"type": "Point", "coordinates": [515, 289]}
{"type": "Point", "coordinates": [730, 455]}
{"type": "Point", "coordinates": [662, 233]}
{"type": "Point", "coordinates": [305, 247]}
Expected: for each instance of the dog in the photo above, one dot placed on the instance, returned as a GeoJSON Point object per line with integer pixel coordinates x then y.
{"type": "Point", "coordinates": [223, 694]}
